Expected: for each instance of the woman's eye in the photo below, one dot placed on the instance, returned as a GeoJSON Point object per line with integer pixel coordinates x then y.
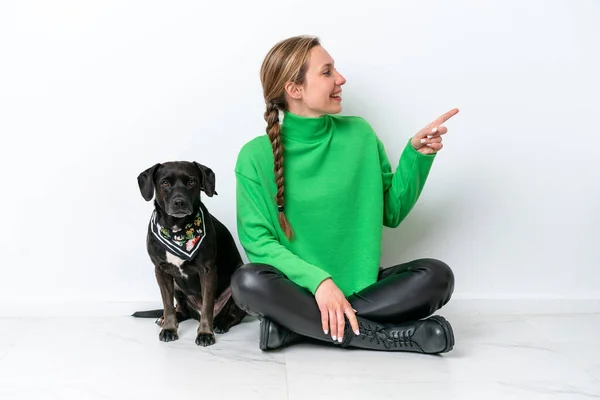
{"type": "Point", "coordinates": [327, 73]}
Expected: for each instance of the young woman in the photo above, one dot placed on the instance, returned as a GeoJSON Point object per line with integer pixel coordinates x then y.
{"type": "Point", "coordinates": [313, 196]}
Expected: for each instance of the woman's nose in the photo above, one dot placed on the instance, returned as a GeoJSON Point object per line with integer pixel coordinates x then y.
{"type": "Point", "coordinates": [340, 79]}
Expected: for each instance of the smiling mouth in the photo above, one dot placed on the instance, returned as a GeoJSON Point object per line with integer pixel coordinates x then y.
{"type": "Point", "coordinates": [336, 95]}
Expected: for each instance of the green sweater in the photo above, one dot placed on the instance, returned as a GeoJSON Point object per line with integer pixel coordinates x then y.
{"type": "Point", "coordinates": [340, 191]}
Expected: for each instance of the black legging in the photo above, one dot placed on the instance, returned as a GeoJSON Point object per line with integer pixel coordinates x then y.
{"type": "Point", "coordinates": [405, 292]}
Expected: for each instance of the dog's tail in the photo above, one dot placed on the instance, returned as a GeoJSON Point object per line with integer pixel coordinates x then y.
{"type": "Point", "coordinates": [148, 314]}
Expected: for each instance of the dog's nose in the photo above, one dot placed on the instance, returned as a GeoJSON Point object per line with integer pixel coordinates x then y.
{"type": "Point", "coordinates": [178, 203]}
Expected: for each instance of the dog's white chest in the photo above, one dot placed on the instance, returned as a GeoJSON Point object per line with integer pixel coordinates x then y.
{"type": "Point", "coordinates": [176, 261]}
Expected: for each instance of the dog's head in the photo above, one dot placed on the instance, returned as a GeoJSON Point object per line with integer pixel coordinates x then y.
{"type": "Point", "coordinates": [177, 185]}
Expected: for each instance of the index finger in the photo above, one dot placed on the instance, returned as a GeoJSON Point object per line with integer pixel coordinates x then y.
{"type": "Point", "coordinates": [445, 117]}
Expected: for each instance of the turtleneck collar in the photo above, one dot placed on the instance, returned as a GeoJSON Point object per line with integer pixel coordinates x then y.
{"type": "Point", "coordinates": [305, 129]}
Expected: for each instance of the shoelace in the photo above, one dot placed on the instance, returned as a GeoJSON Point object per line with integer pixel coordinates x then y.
{"type": "Point", "coordinates": [397, 338]}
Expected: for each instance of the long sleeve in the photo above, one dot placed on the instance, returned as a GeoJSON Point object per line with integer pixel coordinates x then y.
{"type": "Point", "coordinates": [258, 236]}
{"type": "Point", "coordinates": [402, 188]}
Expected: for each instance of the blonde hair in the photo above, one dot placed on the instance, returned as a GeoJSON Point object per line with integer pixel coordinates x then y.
{"type": "Point", "coordinates": [286, 62]}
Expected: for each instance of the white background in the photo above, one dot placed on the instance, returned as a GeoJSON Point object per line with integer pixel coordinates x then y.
{"type": "Point", "coordinates": [92, 93]}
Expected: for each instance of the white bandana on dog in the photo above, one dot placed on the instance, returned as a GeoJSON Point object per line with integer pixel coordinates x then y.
{"type": "Point", "coordinates": [184, 243]}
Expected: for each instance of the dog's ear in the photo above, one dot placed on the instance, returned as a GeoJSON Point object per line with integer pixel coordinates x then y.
{"type": "Point", "coordinates": [208, 179]}
{"type": "Point", "coordinates": [146, 182]}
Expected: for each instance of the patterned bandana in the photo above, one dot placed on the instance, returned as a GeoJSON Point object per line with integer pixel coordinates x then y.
{"type": "Point", "coordinates": [184, 243]}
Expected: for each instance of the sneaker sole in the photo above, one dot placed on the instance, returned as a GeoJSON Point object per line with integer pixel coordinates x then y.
{"type": "Point", "coordinates": [447, 330]}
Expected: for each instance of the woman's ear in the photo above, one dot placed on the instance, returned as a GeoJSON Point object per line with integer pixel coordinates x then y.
{"type": "Point", "coordinates": [293, 90]}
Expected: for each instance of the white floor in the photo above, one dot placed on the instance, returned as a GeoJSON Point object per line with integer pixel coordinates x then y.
{"type": "Point", "coordinates": [496, 357]}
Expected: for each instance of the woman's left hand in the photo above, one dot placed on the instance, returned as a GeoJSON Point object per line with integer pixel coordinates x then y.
{"type": "Point", "coordinates": [429, 139]}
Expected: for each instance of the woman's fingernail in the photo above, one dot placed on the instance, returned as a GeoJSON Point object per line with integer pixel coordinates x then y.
{"type": "Point", "coordinates": [326, 331]}
{"type": "Point", "coordinates": [429, 136]}
{"type": "Point", "coordinates": [423, 140]}
{"type": "Point", "coordinates": [429, 144]}
{"type": "Point", "coordinates": [340, 339]}
{"type": "Point", "coordinates": [334, 338]}
{"type": "Point", "coordinates": [434, 130]}
{"type": "Point", "coordinates": [357, 332]}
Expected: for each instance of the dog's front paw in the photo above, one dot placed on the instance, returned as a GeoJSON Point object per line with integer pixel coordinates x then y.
{"type": "Point", "coordinates": [168, 335]}
{"type": "Point", "coordinates": [205, 339]}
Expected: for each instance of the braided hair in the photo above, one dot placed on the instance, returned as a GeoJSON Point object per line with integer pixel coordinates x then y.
{"type": "Point", "coordinates": [286, 62]}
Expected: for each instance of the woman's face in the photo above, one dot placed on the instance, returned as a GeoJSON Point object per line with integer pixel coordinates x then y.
{"type": "Point", "coordinates": [321, 92]}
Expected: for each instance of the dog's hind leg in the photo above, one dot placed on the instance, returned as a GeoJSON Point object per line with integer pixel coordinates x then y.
{"type": "Point", "coordinates": [229, 316]}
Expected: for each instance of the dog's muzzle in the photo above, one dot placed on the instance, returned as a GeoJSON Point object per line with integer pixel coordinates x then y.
{"type": "Point", "coordinates": [179, 207]}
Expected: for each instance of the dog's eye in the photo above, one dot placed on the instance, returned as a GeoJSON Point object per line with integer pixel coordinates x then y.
{"type": "Point", "coordinates": [191, 183]}
{"type": "Point", "coordinates": [164, 183]}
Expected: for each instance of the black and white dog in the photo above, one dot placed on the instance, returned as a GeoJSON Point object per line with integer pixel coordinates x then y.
{"type": "Point", "coordinates": [194, 254]}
